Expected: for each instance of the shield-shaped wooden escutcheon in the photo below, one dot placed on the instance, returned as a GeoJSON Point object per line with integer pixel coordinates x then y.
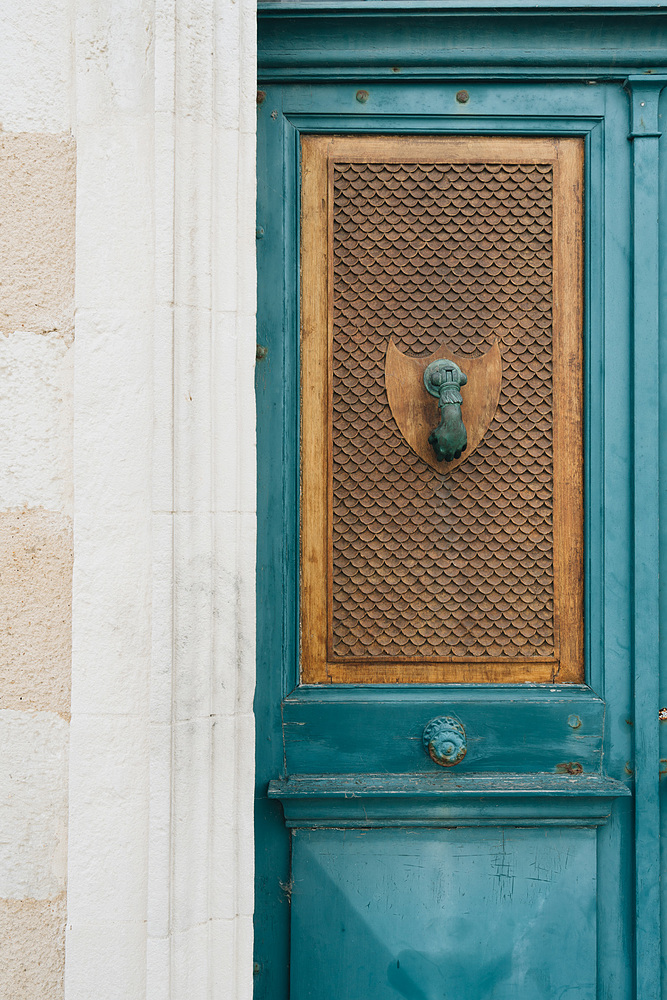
{"type": "Point", "coordinates": [416, 411]}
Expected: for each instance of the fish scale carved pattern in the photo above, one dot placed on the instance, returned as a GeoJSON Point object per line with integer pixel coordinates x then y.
{"type": "Point", "coordinates": [428, 565]}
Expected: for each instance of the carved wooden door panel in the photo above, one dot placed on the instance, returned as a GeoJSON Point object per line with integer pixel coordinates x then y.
{"type": "Point", "coordinates": [415, 569]}
{"type": "Point", "coordinates": [445, 700]}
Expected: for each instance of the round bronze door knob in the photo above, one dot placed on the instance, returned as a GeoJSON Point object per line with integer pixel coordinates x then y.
{"type": "Point", "coordinates": [445, 741]}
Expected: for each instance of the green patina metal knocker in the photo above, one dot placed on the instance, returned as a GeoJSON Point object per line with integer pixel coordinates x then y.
{"type": "Point", "coordinates": [449, 439]}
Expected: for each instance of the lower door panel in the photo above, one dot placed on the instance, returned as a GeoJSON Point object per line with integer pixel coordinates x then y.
{"type": "Point", "coordinates": [429, 914]}
{"type": "Point", "coordinates": [432, 887]}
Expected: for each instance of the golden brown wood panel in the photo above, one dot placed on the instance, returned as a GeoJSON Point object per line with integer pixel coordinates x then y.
{"type": "Point", "coordinates": [408, 574]}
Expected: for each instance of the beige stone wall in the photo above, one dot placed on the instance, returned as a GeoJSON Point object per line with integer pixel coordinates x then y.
{"type": "Point", "coordinates": [37, 176]}
{"type": "Point", "coordinates": [35, 610]}
{"type": "Point", "coordinates": [36, 233]}
{"type": "Point", "coordinates": [32, 939]}
{"type": "Point", "coordinates": [126, 855]}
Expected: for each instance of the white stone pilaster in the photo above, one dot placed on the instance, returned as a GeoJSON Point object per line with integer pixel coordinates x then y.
{"type": "Point", "coordinates": [162, 737]}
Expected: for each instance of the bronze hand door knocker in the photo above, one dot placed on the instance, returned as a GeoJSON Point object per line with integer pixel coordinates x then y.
{"type": "Point", "coordinates": [449, 439]}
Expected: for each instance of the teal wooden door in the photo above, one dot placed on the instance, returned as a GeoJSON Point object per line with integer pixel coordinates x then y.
{"type": "Point", "coordinates": [531, 868]}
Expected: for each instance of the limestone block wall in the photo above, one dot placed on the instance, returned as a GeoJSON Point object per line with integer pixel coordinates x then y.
{"type": "Point", "coordinates": [127, 345]}
{"type": "Point", "coordinates": [37, 252]}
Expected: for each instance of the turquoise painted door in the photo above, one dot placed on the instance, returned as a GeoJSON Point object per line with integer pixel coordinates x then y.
{"type": "Point", "coordinates": [529, 869]}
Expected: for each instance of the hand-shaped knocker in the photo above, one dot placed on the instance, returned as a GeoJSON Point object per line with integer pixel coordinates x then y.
{"type": "Point", "coordinates": [443, 379]}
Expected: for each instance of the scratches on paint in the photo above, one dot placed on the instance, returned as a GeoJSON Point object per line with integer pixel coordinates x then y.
{"type": "Point", "coordinates": [542, 872]}
{"type": "Point", "coordinates": [504, 870]}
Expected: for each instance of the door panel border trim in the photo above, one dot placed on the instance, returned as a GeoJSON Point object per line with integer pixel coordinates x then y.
{"type": "Point", "coordinates": [409, 800]}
